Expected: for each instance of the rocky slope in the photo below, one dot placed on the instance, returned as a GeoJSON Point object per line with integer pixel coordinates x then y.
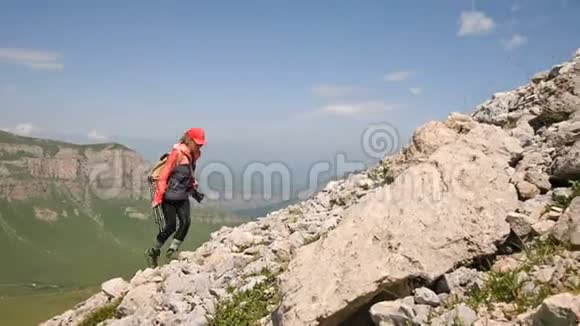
{"type": "Point", "coordinates": [474, 222]}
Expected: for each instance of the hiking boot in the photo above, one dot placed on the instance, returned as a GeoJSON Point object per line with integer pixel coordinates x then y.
{"type": "Point", "coordinates": [171, 253]}
{"type": "Point", "coordinates": [152, 255]}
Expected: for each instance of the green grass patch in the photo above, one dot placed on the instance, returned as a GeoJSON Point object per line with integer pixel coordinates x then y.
{"type": "Point", "coordinates": [507, 288]}
{"type": "Point", "coordinates": [246, 308]}
{"type": "Point", "coordinates": [106, 312]}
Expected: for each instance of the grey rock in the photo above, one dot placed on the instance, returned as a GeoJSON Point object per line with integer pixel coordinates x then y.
{"type": "Point", "coordinates": [427, 297]}
{"type": "Point", "coordinates": [443, 296]}
{"type": "Point", "coordinates": [564, 133]}
{"type": "Point", "coordinates": [252, 281]}
{"type": "Point", "coordinates": [422, 313]}
{"type": "Point", "coordinates": [567, 166]}
{"type": "Point", "coordinates": [495, 111]}
{"type": "Point", "coordinates": [241, 239]}
{"type": "Point", "coordinates": [545, 274]}
{"type": "Point", "coordinates": [561, 309]}
{"type": "Point", "coordinates": [529, 289]}
{"type": "Point", "coordinates": [521, 224]}
{"type": "Point", "coordinates": [144, 276]}
{"type": "Point", "coordinates": [198, 284]}
{"type": "Point", "coordinates": [552, 215]}
{"type": "Point", "coordinates": [408, 301]}
{"type": "Point", "coordinates": [543, 227]}
{"type": "Point", "coordinates": [461, 315]}
{"type": "Point", "coordinates": [138, 298]}
{"type": "Point", "coordinates": [391, 313]}
{"type": "Point", "coordinates": [539, 179]}
{"type": "Point", "coordinates": [536, 206]}
{"type": "Point", "coordinates": [523, 131]}
{"type": "Point", "coordinates": [561, 193]}
{"type": "Point", "coordinates": [115, 288]}
{"type": "Point", "coordinates": [567, 229]}
{"type": "Point", "coordinates": [526, 190]}
{"type": "Point", "coordinates": [541, 76]}
{"type": "Point", "coordinates": [458, 279]}
{"type": "Point", "coordinates": [176, 303]}
{"type": "Point", "coordinates": [505, 265]}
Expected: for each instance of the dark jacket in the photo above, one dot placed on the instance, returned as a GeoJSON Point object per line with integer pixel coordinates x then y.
{"type": "Point", "coordinates": [176, 181]}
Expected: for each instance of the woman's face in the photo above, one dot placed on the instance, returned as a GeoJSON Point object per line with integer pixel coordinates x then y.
{"type": "Point", "coordinates": [193, 147]}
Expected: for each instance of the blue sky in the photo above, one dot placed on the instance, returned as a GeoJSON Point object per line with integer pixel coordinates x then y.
{"type": "Point", "coordinates": [292, 81]}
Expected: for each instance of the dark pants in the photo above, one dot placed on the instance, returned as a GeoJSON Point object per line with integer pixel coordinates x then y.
{"type": "Point", "coordinates": [172, 210]}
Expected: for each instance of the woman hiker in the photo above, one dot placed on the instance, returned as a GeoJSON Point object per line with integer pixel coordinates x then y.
{"type": "Point", "coordinates": [176, 183]}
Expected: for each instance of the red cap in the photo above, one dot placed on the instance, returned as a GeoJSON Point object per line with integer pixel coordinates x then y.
{"type": "Point", "coordinates": [197, 135]}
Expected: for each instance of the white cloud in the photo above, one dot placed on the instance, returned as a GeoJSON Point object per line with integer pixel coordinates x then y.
{"type": "Point", "coordinates": [96, 136]}
{"type": "Point", "coordinates": [333, 91]}
{"type": "Point", "coordinates": [514, 42]}
{"type": "Point", "coordinates": [33, 59]}
{"type": "Point", "coordinates": [397, 76]}
{"type": "Point", "coordinates": [475, 23]}
{"type": "Point", "coordinates": [23, 129]}
{"type": "Point", "coordinates": [352, 109]}
{"type": "Point", "coordinates": [416, 90]}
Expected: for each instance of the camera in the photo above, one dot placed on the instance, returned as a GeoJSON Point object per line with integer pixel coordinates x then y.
{"type": "Point", "coordinates": [198, 196]}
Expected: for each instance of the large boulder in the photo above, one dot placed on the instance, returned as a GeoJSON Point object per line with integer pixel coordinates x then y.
{"type": "Point", "coordinates": [435, 215]}
{"type": "Point", "coordinates": [567, 166]}
{"type": "Point", "coordinates": [561, 309]}
{"type": "Point", "coordinates": [567, 229]}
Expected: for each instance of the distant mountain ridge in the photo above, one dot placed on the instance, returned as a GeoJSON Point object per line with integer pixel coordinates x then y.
{"type": "Point", "coordinates": [28, 167]}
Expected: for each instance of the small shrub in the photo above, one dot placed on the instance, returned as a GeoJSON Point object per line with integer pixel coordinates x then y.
{"type": "Point", "coordinates": [381, 174]}
{"type": "Point", "coordinates": [248, 307]}
{"type": "Point", "coordinates": [106, 312]}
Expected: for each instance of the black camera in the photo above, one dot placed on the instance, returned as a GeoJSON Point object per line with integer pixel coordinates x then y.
{"type": "Point", "coordinates": [198, 196]}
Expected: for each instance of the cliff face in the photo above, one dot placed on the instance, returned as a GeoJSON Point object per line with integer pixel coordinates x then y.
{"type": "Point", "coordinates": [29, 167]}
{"type": "Point", "coordinates": [408, 242]}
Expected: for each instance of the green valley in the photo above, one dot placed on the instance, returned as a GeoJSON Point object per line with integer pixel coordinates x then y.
{"type": "Point", "coordinates": [59, 239]}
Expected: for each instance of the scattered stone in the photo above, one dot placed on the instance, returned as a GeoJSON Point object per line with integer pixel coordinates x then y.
{"type": "Point", "coordinates": [427, 297]}
{"type": "Point", "coordinates": [457, 280]}
{"type": "Point", "coordinates": [560, 194]}
{"type": "Point", "coordinates": [521, 224]}
{"type": "Point", "coordinates": [545, 274]}
{"type": "Point", "coordinates": [543, 227]}
{"type": "Point", "coordinates": [539, 179]}
{"type": "Point", "coordinates": [552, 215]}
{"type": "Point", "coordinates": [391, 313]}
{"type": "Point", "coordinates": [561, 309]}
{"type": "Point", "coordinates": [527, 190]}
{"type": "Point", "coordinates": [422, 313]}
{"type": "Point", "coordinates": [115, 288]}
{"type": "Point", "coordinates": [461, 315]}
{"type": "Point", "coordinates": [505, 265]}
{"type": "Point", "coordinates": [567, 229]}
